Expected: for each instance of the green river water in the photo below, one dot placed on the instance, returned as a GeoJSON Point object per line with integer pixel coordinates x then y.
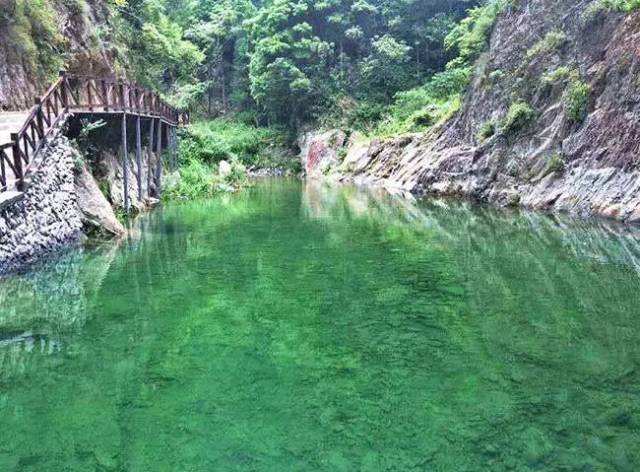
{"type": "Point", "coordinates": [294, 327]}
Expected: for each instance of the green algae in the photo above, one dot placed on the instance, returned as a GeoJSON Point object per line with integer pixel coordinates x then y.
{"type": "Point", "coordinates": [295, 327]}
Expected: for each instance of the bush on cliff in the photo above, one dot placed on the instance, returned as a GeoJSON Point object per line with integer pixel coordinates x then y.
{"type": "Point", "coordinates": [518, 117]}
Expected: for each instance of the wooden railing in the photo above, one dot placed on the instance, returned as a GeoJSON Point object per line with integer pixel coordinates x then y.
{"type": "Point", "coordinates": [76, 94]}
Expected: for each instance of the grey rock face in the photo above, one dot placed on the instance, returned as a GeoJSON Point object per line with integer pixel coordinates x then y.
{"type": "Point", "coordinates": [588, 167]}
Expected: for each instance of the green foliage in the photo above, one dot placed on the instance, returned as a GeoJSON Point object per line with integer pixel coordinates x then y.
{"type": "Point", "coordinates": [212, 141]}
{"type": "Point", "coordinates": [551, 41]}
{"type": "Point", "coordinates": [554, 164]}
{"type": "Point", "coordinates": [196, 179]}
{"type": "Point", "coordinates": [384, 71]}
{"type": "Point", "coordinates": [520, 114]}
{"type": "Point", "coordinates": [603, 6]}
{"type": "Point", "coordinates": [576, 101]}
{"type": "Point", "coordinates": [560, 74]}
{"type": "Point", "coordinates": [33, 30]}
{"type": "Point", "coordinates": [471, 35]}
{"type": "Point", "coordinates": [486, 130]}
{"type": "Point", "coordinates": [284, 62]}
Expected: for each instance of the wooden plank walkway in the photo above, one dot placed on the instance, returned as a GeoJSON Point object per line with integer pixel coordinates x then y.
{"type": "Point", "coordinates": [24, 134]}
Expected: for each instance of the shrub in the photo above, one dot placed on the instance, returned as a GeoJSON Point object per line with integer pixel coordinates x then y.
{"type": "Point", "coordinates": [576, 101]}
{"type": "Point", "coordinates": [604, 6]}
{"type": "Point", "coordinates": [551, 41]}
{"type": "Point", "coordinates": [561, 74]}
{"type": "Point", "coordinates": [496, 75]}
{"type": "Point", "coordinates": [486, 130]}
{"type": "Point", "coordinates": [518, 117]}
{"type": "Point", "coordinates": [471, 35]}
{"type": "Point", "coordinates": [554, 164]}
{"type": "Point", "coordinates": [216, 140]}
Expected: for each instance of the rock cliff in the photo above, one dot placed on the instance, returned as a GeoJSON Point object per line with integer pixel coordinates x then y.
{"type": "Point", "coordinates": [551, 119]}
{"type": "Point", "coordinates": [39, 38]}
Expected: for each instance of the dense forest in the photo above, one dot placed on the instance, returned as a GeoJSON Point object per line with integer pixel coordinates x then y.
{"type": "Point", "coordinates": [287, 62]}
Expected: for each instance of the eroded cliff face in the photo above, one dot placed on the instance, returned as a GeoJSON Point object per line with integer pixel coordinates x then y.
{"type": "Point", "coordinates": [39, 38]}
{"type": "Point", "coordinates": [540, 52]}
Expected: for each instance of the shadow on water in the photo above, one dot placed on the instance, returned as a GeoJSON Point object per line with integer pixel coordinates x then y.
{"type": "Point", "coordinates": [302, 327]}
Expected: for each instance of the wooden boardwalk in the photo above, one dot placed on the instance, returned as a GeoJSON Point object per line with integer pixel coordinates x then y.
{"type": "Point", "coordinates": [24, 134]}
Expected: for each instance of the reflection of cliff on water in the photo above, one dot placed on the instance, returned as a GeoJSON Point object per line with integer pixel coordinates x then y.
{"type": "Point", "coordinates": [468, 224]}
{"type": "Point", "coordinates": [46, 302]}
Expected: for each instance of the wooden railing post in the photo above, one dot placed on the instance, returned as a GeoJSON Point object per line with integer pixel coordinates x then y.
{"type": "Point", "coordinates": [121, 94]}
{"type": "Point", "coordinates": [39, 117]}
{"type": "Point", "coordinates": [63, 90]}
{"type": "Point", "coordinates": [105, 94]}
{"type": "Point", "coordinates": [89, 95]}
{"type": "Point", "coordinates": [17, 161]}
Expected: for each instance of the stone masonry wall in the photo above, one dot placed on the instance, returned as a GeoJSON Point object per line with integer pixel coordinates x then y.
{"type": "Point", "coordinates": [47, 216]}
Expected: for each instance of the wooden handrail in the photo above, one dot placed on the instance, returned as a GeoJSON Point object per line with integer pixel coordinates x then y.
{"type": "Point", "coordinates": [77, 94]}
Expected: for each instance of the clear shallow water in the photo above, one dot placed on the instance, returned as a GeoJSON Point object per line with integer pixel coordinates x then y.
{"type": "Point", "coordinates": [314, 329]}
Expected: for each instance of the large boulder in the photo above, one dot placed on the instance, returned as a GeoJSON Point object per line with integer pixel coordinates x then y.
{"type": "Point", "coordinates": [98, 217]}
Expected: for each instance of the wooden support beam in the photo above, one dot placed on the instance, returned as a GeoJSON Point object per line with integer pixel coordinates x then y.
{"type": "Point", "coordinates": [125, 162]}
{"type": "Point", "coordinates": [159, 157]}
{"type": "Point", "coordinates": [139, 157]}
{"type": "Point", "coordinates": [150, 155]}
{"type": "Point", "coordinates": [175, 147]}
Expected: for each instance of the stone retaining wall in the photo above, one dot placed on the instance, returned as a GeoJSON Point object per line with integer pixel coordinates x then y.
{"type": "Point", "coordinates": [46, 216]}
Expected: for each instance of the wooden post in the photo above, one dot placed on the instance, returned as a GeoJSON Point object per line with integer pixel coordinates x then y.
{"type": "Point", "coordinates": [17, 161]}
{"type": "Point", "coordinates": [174, 141]}
{"type": "Point", "coordinates": [150, 155]}
{"type": "Point", "coordinates": [139, 157]}
{"type": "Point", "coordinates": [65, 98]}
{"type": "Point", "coordinates": [121, 93]}
{"type": "Point", "coordinates": [159, 157]}
{"type": "Point", "coordinates": [39, 117]}
{"type": "Point", "coordinates": [89, 95]}
{"type": "Point", "coordinates": [125, 162]}
{"type": "Point", "coordinates": [105, 94]}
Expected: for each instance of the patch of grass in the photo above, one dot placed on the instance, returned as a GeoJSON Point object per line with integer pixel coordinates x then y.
{"type": "Point", "coordinates": [554, 164]}
{"type": "Point", "coordinates": [560, 74]}
{"type": "Point", "coordinates": [551, 41]}
{"type": "Point", "coordinates": [486, 130]}
{"type": "Point", "coordinates": [496, 75]}
{"type": "Point", "coordinates": [520, 114]}
{"type": "Point", "coordinates": [576, 101]}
